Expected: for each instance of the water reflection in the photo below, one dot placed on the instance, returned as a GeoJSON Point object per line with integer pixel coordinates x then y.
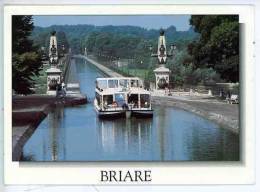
{"type": "Point", "coordinates": [77, 134]}
{"type": "Point", "coordinates": [132, 137]}
{"type": "Point", "coordinates": [53, 147]}
{"type": "Point", "coordinates": [56, 134]}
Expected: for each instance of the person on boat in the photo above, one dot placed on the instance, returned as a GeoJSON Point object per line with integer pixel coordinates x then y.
{"type": "Point", "coordinates": [114, 104]}
{"type": "Point", "coordinates": [125, 106]}
{"type": "Point", "coordinates": [146, 104]}
{"type": "Point", "coordinates": [63, 88]}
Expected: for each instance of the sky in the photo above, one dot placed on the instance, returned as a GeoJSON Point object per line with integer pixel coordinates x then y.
{"type": "Point", "coordinates": [181, 22]}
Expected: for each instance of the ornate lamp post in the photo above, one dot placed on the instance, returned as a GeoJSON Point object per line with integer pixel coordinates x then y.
{"type": "Point", "coordinates": [53, 49]}
{"type": "Point", "coordinates": [53, 73]}
{"type": "Point", "coordinates": [162, 72]}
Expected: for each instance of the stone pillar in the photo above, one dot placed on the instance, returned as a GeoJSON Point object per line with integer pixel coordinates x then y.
{"type": "Point", "coordinates": [53, 80]}
{"type": "Point", "coordinates": [162, 74]}
{"type": "Point", "coordinates": [162, 77]}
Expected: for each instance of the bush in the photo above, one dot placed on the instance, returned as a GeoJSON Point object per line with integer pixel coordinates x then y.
{"type": "Point", "coordinates": [204, 75]}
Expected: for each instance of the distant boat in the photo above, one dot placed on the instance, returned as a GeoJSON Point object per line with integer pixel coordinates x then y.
{"type": "Point", "coordinates": [122, 97]}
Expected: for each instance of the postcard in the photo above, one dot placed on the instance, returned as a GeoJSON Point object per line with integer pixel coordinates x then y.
{"type": "Point", "coordinates": [134, 94]}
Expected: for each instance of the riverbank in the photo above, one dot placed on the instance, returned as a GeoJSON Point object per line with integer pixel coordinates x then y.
{"type": "Point", "coordinates": [226, 115]}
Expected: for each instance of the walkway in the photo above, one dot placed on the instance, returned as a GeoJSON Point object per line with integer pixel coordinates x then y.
{"type": "Point", "coordinates": [101, 67]}
{"type": "Point", "coordinates": [209, 107]}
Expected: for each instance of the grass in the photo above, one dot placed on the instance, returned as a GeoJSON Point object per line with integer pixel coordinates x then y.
{"type": "Point", "coordinates": [141, 73]}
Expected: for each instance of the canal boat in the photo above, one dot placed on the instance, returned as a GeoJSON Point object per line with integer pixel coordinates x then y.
{"type": "Point", "coordinates": [139, 102]}
{"type": "Point", "coordinates": [122, 97]}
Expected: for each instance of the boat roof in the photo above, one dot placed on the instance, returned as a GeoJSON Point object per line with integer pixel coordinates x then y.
{"type": "Point", "coordinates": [118, 90]}
{"type": "Point", "coordinates": [136, 90]}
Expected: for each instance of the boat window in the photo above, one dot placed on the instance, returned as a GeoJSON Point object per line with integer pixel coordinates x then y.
{"type": "Point", "coordinates": [145, 100]}
{"type": "Point", "coordinates": [120, 99]}
{"type": "Point", "coordinates": [102, 84]}
{"type": "Point", "coordinates": [113, 83]}
{"type": "Point", "coordinates": [134, 83]}
{"type": "Point", "coordinates": [133, 100]}
{"type": "Point", "coordinates": [123, 83]}
{"type": "Point", "coordinates": [107, 100]}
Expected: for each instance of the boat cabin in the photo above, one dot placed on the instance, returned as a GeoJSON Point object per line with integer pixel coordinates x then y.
{"type": "Point", "coordinates": [121, 93]}
{"type": "Point", "coordinates": [139, 100]}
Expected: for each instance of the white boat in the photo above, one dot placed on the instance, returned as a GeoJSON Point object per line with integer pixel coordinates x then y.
{"type": "Point", "coordinates": [122, 97]}
{"type": "Point", "coordinates": [139, 102]}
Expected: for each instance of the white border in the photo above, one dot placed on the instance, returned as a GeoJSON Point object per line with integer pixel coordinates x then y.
{"type": "Point", "coordinates": [162, 173]}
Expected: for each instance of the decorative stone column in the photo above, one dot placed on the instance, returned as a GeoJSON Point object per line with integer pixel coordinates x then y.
{"type": "Point", "coordinates": [161, 77]}
{"type": "Point", "coordinates": [53, 80]}
{"type": "Point", "coordinates": [54, 74]}
{"type": "Point", "coordinates": [53, 49]}
{"type": "Point", "coordinates": [162, 73]}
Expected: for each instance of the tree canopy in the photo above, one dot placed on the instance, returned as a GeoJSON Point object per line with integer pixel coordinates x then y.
{"type": "Point", "coordinates": [80, 33]}
{"type": "Point", "coordinates": [26, 62]}
{"type": "Point", "coordinates": [218, 45]}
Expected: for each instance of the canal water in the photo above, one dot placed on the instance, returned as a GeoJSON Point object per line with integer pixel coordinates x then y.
{"type": "Point", "coordinates": [77, 134]}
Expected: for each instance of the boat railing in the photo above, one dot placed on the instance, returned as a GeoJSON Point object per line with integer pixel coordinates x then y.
{"type": "Point", "coordinates": [112, 108]}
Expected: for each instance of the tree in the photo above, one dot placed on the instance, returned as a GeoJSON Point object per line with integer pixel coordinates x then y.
{"type": "Point", "coordinates": [218, 45]}
{"type": "Point", "coordinates": [26, 62]}
{"type": "Point", "coordinates": [62, 41]}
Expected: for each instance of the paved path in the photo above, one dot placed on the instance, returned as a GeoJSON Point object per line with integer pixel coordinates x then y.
{"type": "Point", "coordinates": [220, 112]}
{"type": "Point", "coordinates": [106, 70]}
{"type": "Point", "coordinates": [72, 75]}
{"type": "Point", "coordinates": [73, 84]}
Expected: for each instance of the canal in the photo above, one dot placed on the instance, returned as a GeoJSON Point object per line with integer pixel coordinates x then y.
{"type": "Point", "coordinates": [77, 134]}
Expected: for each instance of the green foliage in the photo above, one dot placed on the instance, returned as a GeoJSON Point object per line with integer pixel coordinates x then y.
{"type": "Point", "coordinates": [207, 52]}
{"type": "Point", "coordinates": [179, 71]}
{"type": "Point", "coordinates": [40, 81]}
{"type": "Point", "coordinates": [42, 39]}
{"type": "Point", "coordinates": [111, 43]}
{"type": "Point", "coordinates": [21, 29]}
{"type": "Point", "coordinates": [204, 75]}
{"type": "Point", "coordinates": [218, 46]}
{"type": "Point", "coordinates": [85, 33]}
{"type": "Point", "coordinates": [183, 71]}
{"type": "Point", "coordinates": [26, 62]}
{"type": "Point", "coordinates": [62, 40]}
{"type": "Point", "coordinates": [142, 73]}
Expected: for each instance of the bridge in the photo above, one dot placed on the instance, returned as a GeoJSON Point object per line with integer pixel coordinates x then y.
{"type": "Point", "coordinates": [29, 111]}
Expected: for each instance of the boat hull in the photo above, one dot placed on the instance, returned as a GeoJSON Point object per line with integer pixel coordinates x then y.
{"type": "Point", "coordinates": [110, 114]}
{"type": "Point", "coordinates": [142, 113]}
{"type": "Point", "coordinates": [127, 114]}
